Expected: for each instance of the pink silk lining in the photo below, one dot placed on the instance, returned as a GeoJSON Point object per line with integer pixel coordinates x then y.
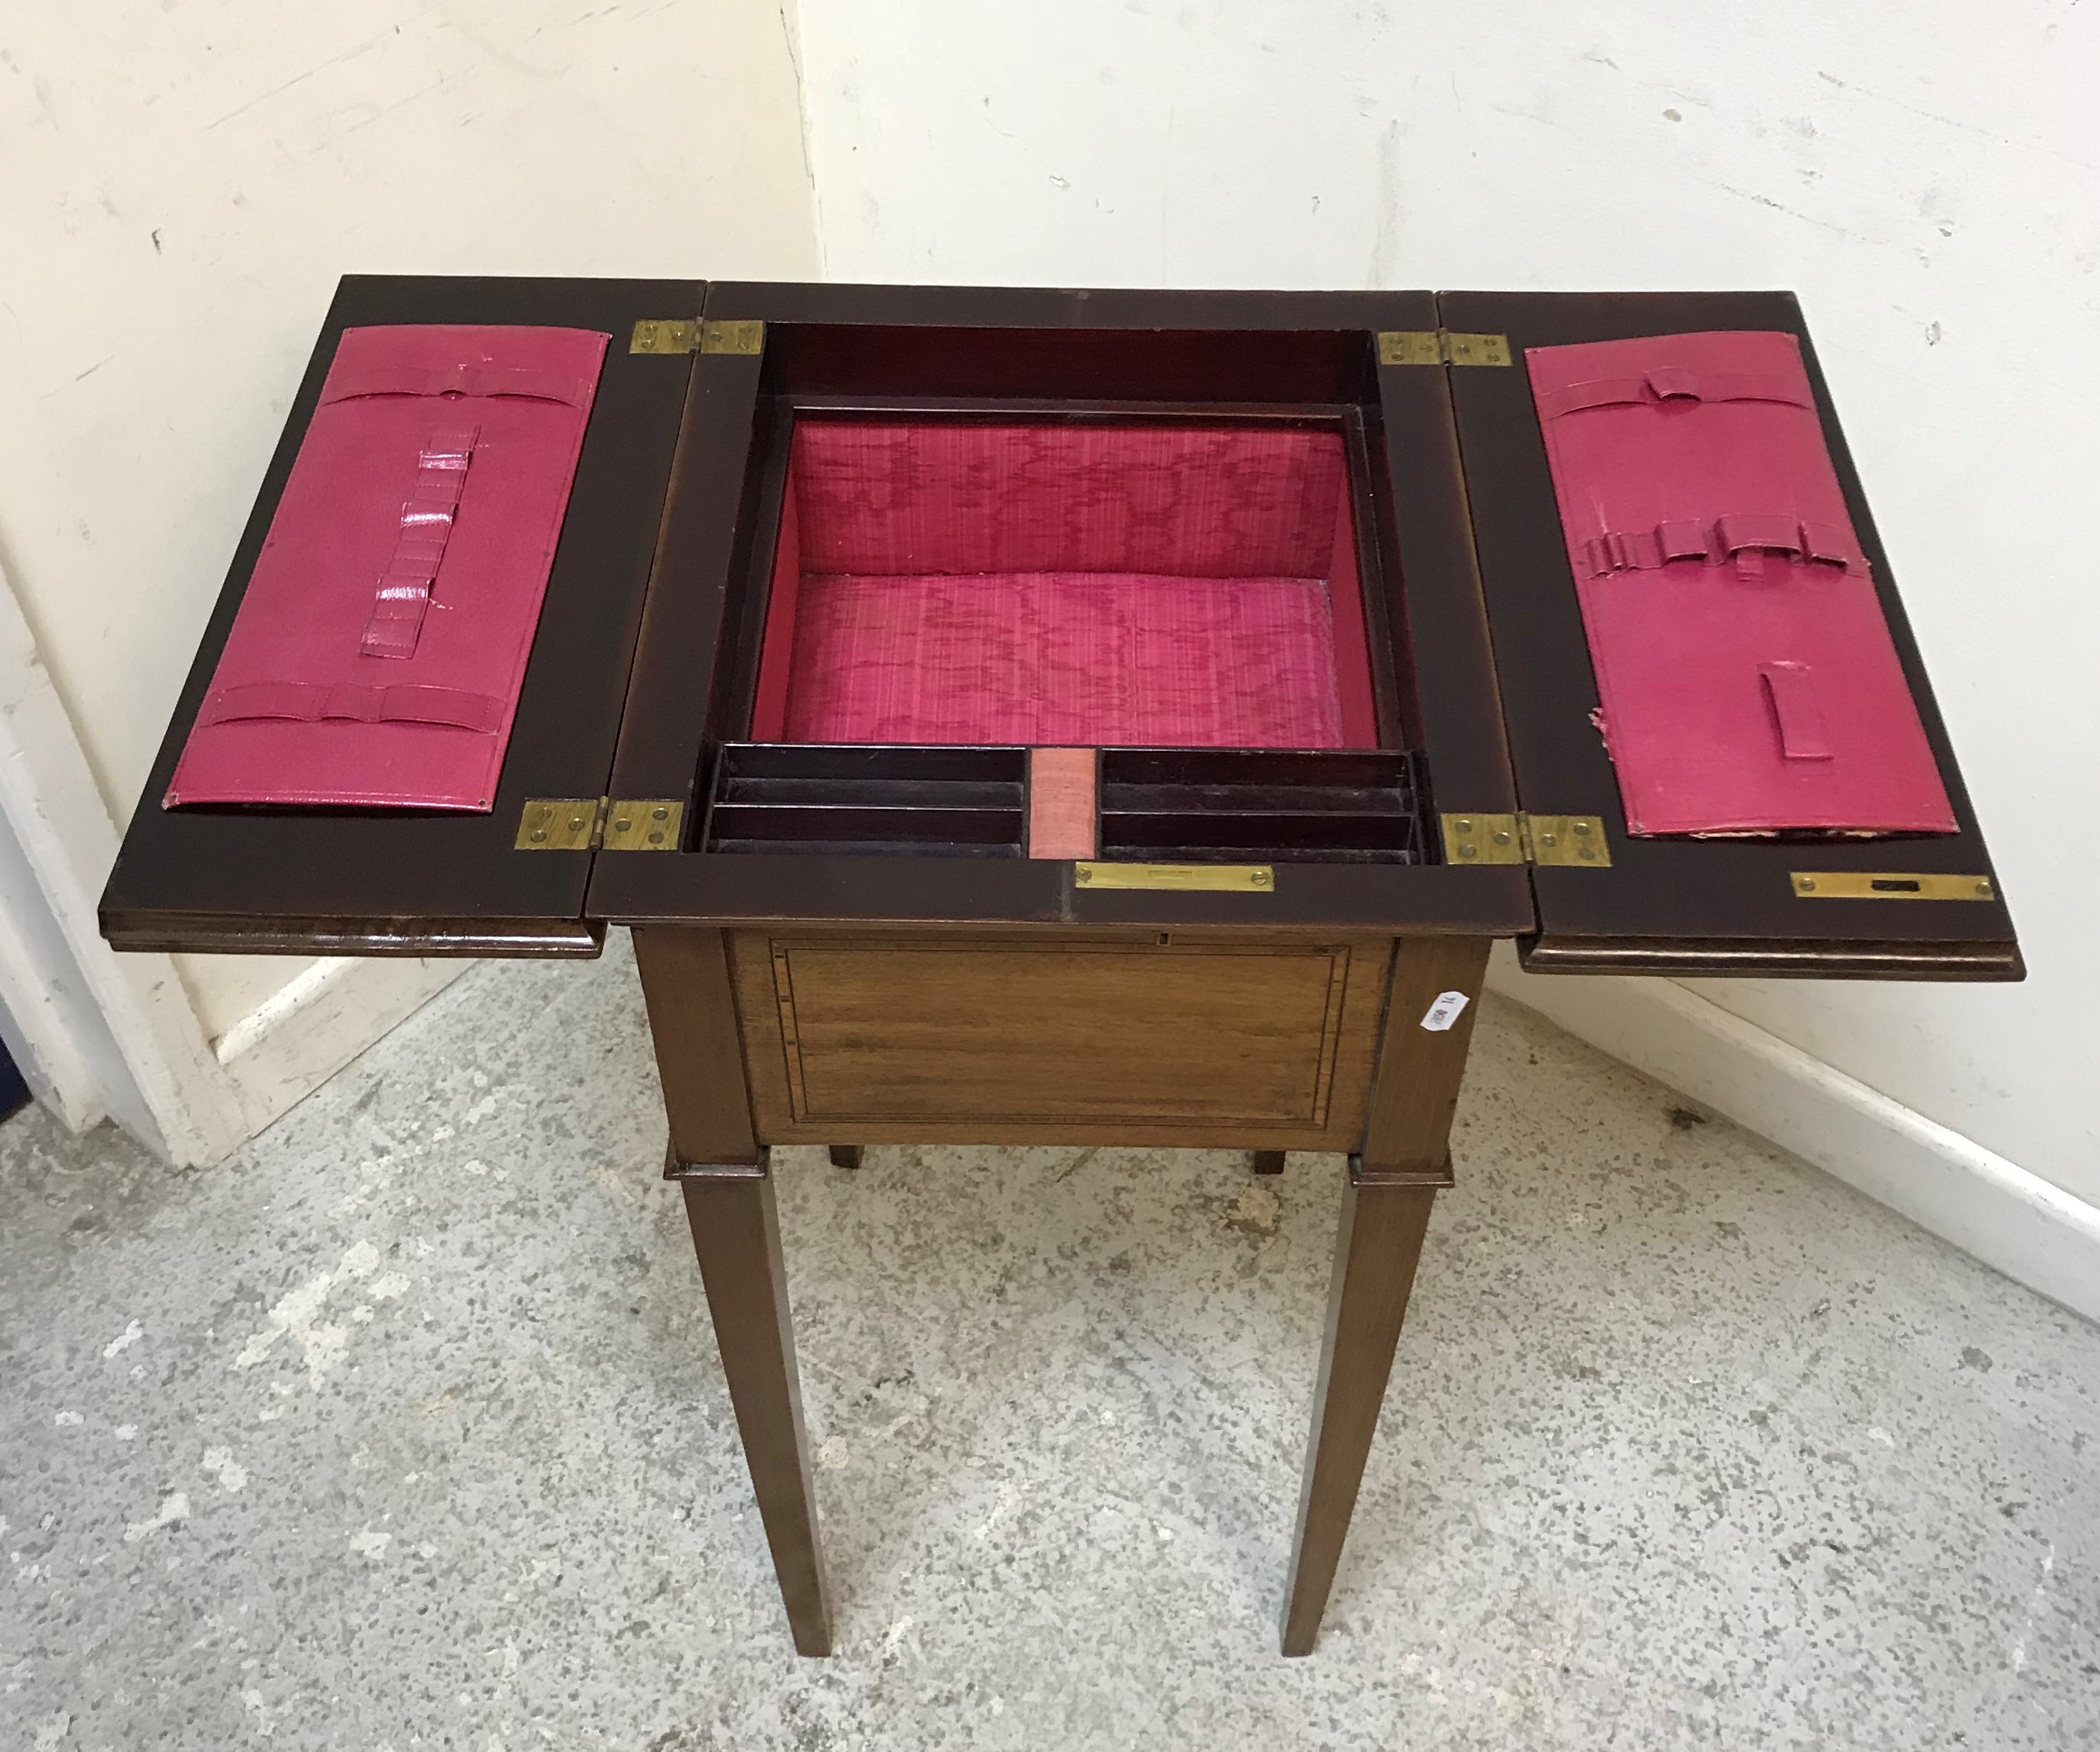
{"type": "Point", "coordinates": [1066, 584]}
{"type": "Point", "coordinates": [1098, 659]}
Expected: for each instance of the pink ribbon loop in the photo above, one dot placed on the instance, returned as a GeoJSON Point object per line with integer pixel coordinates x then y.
{"type": "Point", "coordinates": [464, 378]}
{"type": "Point", "coordinates": [1745, 539]}
{"type": "Point", "coordinates": [1660, 384]}
{"type": "Point", "coordinates": [317, 702]}
{"type": "Point", "coordinates": [1790, 691]}
{"type": "Point", "coordinates": [403, 595]}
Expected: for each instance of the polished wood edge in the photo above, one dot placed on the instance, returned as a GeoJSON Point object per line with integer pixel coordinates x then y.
{"type": "Point", "coordinates": [1094, 919]}
{"type": "Point", "coordinates": [1423, 519]}
{"type": "Point", "coordinates": [677, 647]}
{"type": "Point", "coordinates": [833, 303]}
{"type": "Point", "coordinates": [1362, 1173]}
{"type": "Point", "coordinates": [1803, 959]}
{"type": "Point", "coordinates": [1129, 308]}
{"type": "Point", "coordinates": [1076, 930]}
{"type": "Point", "coordinates": [676, 1170]}
{"type": "Point", "coordinates": [734, 890]}
{"type": "Point", "coordinates": [1099, 923]}
{"type": "Point", "coordinates": [245, 933]}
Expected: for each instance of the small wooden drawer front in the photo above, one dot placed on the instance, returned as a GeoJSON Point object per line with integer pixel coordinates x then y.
{"type": "Point", "coordinates": [938, 1038]}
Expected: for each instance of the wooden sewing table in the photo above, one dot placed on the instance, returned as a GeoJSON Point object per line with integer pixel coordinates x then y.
{"type": "Point", "coordinates": [853, 939]}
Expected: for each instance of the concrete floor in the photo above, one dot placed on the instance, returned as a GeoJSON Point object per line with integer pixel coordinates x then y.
{"type": "Point", "coordinates": [405, 1429]}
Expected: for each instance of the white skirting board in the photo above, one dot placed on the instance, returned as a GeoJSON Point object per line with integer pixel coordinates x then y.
{"type": "Point", "coordinates": [2033, 1232]}
{"type": "Point", "coordinates": [300, 1036]}
{"type": "Point", "coordinates": [103, 1033]}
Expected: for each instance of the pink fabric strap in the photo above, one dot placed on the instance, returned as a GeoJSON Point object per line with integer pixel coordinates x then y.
{"type": "Point", "coordinates": [1663, 383]}
{"type": "Point", "coordinates": [419, 550]}
{"type": "Point", "coordinates": [311, 702]}
{"type": "Point", "coordinates": [1061, 803]}
{"type": "Point", "coordinates": [1792, 691]}
{"type": "Point", "coordinates": [1745, 537]}
{"type": "Point", "coordinates": [385, 377]}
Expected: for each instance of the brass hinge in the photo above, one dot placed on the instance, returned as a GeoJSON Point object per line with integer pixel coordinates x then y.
{"type": "Point", "coordinates": [649, 825]}
{"type": "Point", "coordinates": [664, 335]}
{"type": "Point", "coordinates": [1526, 839]}
{"type": "Point", "coordinates": [682, 335]}
{"type": "Point", "coordinates": [1440, 347]}
{"type": "Point", "coordinates": [1483, 840]}
{"type": "Point", "coordinates": [559, 824]}
{"type": "Point", "coordinates": [1577, 840]}
{"type": "Point", "coordinates": [588, 824]}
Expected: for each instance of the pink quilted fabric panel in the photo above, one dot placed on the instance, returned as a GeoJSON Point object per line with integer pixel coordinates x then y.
{"type": "Point", "coordinates": [1095, 657]}
{"type": "Point", "coordinates": [1747, 679]}
{"type": "Point", "coordinates": [1199, 501]}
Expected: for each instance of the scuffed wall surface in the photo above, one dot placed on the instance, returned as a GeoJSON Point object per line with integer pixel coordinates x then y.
{"type": "Point", "coordinates": [1926, 174]}
{"type": "Point", "coordinates": [183, 182]}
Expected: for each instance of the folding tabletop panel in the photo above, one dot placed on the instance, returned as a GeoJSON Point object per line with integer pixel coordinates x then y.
{"type": "Point", "coordinates": [444, 617]}
{"type": "Point", "coordinates": [1702, 653]}
{"type": "Point", "coordinates": [1554, 617]}
{"type": "Point", "coordinates": [378, 651]}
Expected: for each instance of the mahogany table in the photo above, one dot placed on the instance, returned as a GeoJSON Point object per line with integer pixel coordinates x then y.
{"type": "Point", "coordinates": [873, 938]}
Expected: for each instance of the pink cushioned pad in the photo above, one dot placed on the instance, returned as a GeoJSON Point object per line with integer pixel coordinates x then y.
{"type": "Point", "coordinates": [381, 645]}
{"type": "Point", "coordinates": [1095, 657]}
{"type": "Point", "coordinates": [956, 582]}
{"type": "Point", "coordinates": [1748, 680]}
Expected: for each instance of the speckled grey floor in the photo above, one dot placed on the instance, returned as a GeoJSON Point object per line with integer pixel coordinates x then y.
{"type": "Point", "coordinates": [404, 1429]}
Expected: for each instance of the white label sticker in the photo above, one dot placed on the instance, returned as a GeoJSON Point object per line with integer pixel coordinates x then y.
{"type": "Point", "coordinates": [1449, 1006]}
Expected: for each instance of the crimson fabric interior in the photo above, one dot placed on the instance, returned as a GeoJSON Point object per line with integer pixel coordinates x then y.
{"type": "Point", "coordinates": [1181, 586]}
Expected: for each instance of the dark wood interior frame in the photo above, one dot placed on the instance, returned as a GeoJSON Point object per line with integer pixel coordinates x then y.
{"type": "Point", "coordinates": [840, 351]}
{"type": "Point", "coordinates": [1681, 905]}
{"type": "Point", "coordinates": [311, 881]}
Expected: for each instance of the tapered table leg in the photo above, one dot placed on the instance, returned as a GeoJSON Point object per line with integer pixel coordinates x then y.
{"type": "Point", "coordinates": [1269, 1161]}
{"type": "Point", "coordinates": [1385, 1214]}
{"type": "Point", "coordinates": [736, 1233]}
{"type": "Point", "coordinates": [845, 1155]}
{"type": "Point", "coordinates": [716, 1157]}
{"type": "Point", "coordinates": [1380, 1245]}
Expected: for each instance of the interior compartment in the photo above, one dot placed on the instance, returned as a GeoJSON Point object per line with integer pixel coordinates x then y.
{"type": "Point", "coordinates": [1176, 805]}
{"type": "Point", "coordinates": [1032, 583]}
{"type": "Point", "coordinates": [965, 802]}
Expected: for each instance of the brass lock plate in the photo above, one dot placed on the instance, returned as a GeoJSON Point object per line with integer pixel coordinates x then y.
{"type": "Point", "coordinates": [1890, 884]}
{"type": "Point", "coordinates": [1237, 878]}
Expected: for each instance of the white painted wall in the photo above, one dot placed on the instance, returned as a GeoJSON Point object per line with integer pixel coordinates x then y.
{"type": "Point", "coordinates": [1922, 171]}
{"type": "Point", "coordinates": [181, 182]}
{"type": "Point", "coordinates": [108, 1034]}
